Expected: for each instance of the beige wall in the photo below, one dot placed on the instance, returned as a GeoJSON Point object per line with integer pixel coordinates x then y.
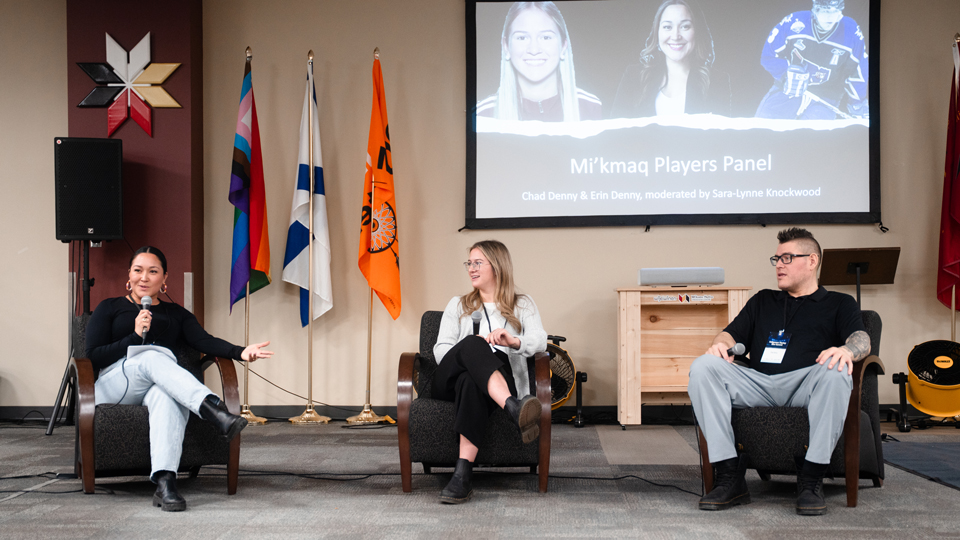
{"type": "Point", "coordinates": [572, 273]}
{"type": "Point", "coordinates": [33, 264]}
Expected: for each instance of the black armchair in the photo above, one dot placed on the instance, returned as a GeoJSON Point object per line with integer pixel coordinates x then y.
{"type": "Point", "coordinates": [773, 437]}
{"type": "Point", "coordinates": [114, 440]}
{"type": "Point", "coordinates": [425, 425]}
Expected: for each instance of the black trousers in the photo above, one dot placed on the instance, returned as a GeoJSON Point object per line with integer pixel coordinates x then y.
{"type": "Point", "coordinates": [462, 378]}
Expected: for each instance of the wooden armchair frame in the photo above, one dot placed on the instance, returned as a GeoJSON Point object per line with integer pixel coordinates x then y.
{"type": "Point", "coordinates": [851, 436]}
{"type": "Point", "coordinates": [81, 370]}
{"type": "Point", "coordinates": [405, 390]}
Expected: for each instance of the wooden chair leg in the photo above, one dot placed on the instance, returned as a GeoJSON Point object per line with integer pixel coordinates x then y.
{"type": "Point", "coordinates": [233, 466]}
{"type": "Point", "coordinates": [706, 469]}
{"type": "Point", "coordinates": [406, 472]}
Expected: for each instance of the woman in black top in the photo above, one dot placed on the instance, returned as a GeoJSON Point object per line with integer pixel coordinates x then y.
{"type": "Point", "coordinates": [150, 375]}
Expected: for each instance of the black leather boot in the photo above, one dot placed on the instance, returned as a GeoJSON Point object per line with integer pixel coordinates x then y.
{"type": "Point", "coordinates": [458, 489]}
{"type": "Point", "coordinates": [526, 413]}
{"type": "Point", "coordinates": [167, 497]}
{"type": "Point", "coordinates": [215, 411]}
{"type": "Point", "coordinates": [810, 500]}
{"type": "Point", "coordinates": [729, 486]}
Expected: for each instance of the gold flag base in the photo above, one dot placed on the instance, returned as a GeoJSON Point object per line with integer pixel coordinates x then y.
{"type": "Point", "coordinates": [251, 418]}
{"type": "Point", "coordinates": [367, 416]}
{"type": "Point", "coordinates": [310, 416]}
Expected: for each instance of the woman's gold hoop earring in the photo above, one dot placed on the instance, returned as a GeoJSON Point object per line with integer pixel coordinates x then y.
{"type": "Point", "coordinates": [129, 286]}
{"type": "Point", "coordinates": [163, 289]}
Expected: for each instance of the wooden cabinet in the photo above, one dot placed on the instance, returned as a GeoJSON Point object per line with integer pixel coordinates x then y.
{"type": "Point", "coordinates": [661, 330]}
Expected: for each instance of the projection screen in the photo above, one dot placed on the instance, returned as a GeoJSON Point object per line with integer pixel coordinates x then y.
{"type": "Point", "coordinates": [636, 112]}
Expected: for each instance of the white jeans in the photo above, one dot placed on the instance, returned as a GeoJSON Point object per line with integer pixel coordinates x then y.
{"type": "Point", "coordinates": [170, 393]}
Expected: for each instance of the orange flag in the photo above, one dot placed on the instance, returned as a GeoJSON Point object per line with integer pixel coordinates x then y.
{"type": "Point", "coordinates": [379, 257]}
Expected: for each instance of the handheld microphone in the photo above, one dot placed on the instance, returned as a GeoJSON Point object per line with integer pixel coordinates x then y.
{"type": "Point", "coordinates": [476, 322]}
{"type": "Point", "coordinates": [736, 350]}
{"type": "Point", "coordinates": [145, 303]}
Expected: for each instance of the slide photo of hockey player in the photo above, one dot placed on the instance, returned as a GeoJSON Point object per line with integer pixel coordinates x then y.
{"type": "Point", "coordinates": [818, 60]}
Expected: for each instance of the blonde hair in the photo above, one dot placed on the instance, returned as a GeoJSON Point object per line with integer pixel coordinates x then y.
{"type": "Point", "coordinates": [505, 295]}
{"type": "Point", "coordinates": [508, 95]}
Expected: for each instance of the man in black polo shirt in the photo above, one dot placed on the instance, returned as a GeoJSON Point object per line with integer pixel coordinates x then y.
{"type": "Point", "coordinates": [802, 341]}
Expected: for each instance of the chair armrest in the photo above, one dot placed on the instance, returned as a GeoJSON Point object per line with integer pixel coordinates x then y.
{"type": "Point", "coordinates": [228, 381]}
{"type": "Point", "coordinates": [83, 375]}
{"type": "Point", "coordinates": [872, 360]}
{"type": "Point", "coordinates": [405, 385]}
{"type": "Point", "coordinates": [541, 368]}
{"type": "Point", "coordinates": [405, 372]}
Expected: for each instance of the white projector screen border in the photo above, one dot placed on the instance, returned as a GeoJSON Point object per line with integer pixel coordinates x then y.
{"type": "Point", "coordinates": [732, 204]}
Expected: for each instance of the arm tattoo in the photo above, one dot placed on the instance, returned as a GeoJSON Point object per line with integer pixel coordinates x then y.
{"type": "Point", "coordinates": [859, 345]}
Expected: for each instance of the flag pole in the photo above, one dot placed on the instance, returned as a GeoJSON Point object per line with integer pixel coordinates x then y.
{"type": "Point", "coordinates": [245, 411]}
{"type": "Point", "coordinates": [310, 416]}
{"type": "Point", "coordinates": [367, 416]}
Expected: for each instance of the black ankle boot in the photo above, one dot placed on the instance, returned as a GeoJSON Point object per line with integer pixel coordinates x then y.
{"type": "Point", "coordinates": [167, 497]}
{"type": "Point", "coordinates": [458, 488]}
{"type": "Point", "coordinates": [215, 411]}
{"type": "Point", "coordinates": [526, 413]}
{"type": "Point", "coordinates": [810, 501]}
{"type": "Point", "coordinates": [729, 486]}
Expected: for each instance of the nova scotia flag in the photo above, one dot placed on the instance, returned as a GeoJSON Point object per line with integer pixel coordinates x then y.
{"type": "Point", "coordinates": [296, 258]}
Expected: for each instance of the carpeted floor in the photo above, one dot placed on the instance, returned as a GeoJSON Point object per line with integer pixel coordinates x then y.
{"type": "Point", "coordinates": [937, 461]}
{"type": "Point", "coordinates": [331, 482]}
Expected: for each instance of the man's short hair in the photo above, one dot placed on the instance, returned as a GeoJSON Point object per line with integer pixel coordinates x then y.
{"type": "Point", "coordinates": [803, 236]}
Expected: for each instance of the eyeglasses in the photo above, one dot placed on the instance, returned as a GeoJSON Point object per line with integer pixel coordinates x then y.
{"type": "Point", "coordinates": [787, 258]}
{"type": "Point", "coordinates": [476, 265]}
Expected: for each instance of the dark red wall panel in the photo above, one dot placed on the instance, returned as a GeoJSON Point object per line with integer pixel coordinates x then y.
{"type": "Point", "coordinates": [162, 174]}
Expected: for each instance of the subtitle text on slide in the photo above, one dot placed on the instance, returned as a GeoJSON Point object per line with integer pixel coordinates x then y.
{"type": "Point", "coordinates": [612, 195]}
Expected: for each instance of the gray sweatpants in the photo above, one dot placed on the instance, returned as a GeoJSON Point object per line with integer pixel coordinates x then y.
{"type": "Point", "coordinates": [717, 387]}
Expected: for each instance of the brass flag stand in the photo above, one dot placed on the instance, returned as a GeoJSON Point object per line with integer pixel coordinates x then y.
{"type": "Point", "coordinates": [310, 416]}
{"type": "Point", "coordinates": [245, 411]}
{"type": "Point", "coordinates": [367, 416]}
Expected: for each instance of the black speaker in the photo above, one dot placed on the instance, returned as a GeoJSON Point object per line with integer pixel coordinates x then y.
{"type": "Point", "coordinates": [89, 196]}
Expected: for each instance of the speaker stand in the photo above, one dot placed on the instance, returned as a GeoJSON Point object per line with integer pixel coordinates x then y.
{"type": "Point", "coordinates": [65, 384]}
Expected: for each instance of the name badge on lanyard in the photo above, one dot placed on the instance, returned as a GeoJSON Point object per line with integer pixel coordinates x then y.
{"type": "Point", "coordinates": [776, 348]}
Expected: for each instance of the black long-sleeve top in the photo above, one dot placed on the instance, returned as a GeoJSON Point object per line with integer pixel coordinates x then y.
{"type": "Point", "coordinates": [111, 330]}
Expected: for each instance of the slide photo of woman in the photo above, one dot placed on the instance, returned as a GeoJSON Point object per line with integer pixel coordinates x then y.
{"type": "Point", "coordinates": [537, 76]}
{"type": "Point", "coordinates": [675, 74]}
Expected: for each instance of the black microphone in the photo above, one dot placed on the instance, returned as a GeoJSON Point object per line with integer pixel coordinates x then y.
{"type": "Point", "coordinates": [476, 322]}
{"type": "Point", "coordinates": [736, 350]}
{"type": "Point", "coordinates": [145, 303]}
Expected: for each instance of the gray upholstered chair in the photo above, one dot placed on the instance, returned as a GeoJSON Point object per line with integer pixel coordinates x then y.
{"type": "Point", "coordinates": [114, 440]}
{"type": "Point", "coordinates": [773, 438]}
{"type": "Point", "coordinates": [425, 425]}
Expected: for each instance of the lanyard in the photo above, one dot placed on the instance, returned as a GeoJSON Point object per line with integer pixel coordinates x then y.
{"type": "Point", "coordinates": [489, 326]}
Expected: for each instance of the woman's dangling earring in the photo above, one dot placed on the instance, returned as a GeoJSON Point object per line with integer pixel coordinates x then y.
{"type": "Point", "coordinates": [129, 286]}
{"type": "Point", "coordinates": [163, 289]}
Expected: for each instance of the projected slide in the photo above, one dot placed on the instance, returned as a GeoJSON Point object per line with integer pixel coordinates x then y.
{"type": "Point", "coordinates": [642, 112]}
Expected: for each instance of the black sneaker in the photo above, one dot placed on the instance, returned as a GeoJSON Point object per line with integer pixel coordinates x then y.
{"type": "Point", "coordinates": [729, 486]}
{"type": "Point", "coordinates": [810, 495]}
